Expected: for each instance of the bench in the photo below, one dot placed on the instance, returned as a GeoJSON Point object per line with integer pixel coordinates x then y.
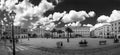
{"type": "Point", "coordinates": [116, 40]}
{"type": "Point", "coordinates": [59, 44]}
{"type": "Point", "coordinates": [83, 44]}
{"type": "Point", "coordinates": [102, 42]}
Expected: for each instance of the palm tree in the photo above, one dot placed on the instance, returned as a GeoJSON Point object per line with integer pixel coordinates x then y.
{"type": "Point", "coordinates": [53, 31]}
{"type": "Point", "coordinates": [69, 31]}
{"type": "Point", "coordinates": [59, 32]}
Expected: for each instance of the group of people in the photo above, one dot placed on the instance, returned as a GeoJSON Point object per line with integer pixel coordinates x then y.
{"type": "Point", "coordinates": [83, 42]}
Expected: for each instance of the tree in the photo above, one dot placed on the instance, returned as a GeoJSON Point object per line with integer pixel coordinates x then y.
{"type": "Point", "coordinates": [59, 32]}
{"type": "Point", "coordinates": [53, 31]}
{"type": "Point", "coordinates": [34, 35]}
{"type": "Point", "coordinates": [5, 33]}
{"type": "Point", "coordinates": [29, 35]}
{"type": "Point", "coordinates": [5, 14]}
{"type": "Point", "coordinates": [69, 31]}
{"type": "Point", "coordinates": [46, 35]}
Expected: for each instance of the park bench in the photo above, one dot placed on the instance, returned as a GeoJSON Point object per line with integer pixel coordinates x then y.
{"type": "Point", "coordinates": [102, 42]}
{"type": "Point", "coordinates": [116, 40]}
{"type": "Point", "coordinates": [59, 44]}
{"type": "Point", "coordinates": [83, 43]}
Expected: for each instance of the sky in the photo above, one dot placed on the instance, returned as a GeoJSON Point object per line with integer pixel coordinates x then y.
{"type": "Point", "coordinates": [48, 14]}
{"type": "Point", "coordinates": [101, 7]}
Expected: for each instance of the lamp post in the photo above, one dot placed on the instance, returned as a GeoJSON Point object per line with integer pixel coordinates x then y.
{"type": "Point", "coordinates": [12, 16]}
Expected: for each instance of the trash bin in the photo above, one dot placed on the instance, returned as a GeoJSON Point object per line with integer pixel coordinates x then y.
{"type": "Point", "coordinates": [59, 44]}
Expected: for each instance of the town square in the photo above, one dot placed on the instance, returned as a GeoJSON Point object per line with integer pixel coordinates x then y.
{"type": "Point", "coordinates": [59, 27]}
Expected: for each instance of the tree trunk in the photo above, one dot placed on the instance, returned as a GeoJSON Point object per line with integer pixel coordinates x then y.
{"type": "Point", "coordinates": [68, 38]}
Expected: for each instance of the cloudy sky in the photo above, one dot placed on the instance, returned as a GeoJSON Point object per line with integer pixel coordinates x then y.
{"type": "Point", "coordinates": [101, 7]}
{"type": "Point", "coordinates": [59, 13]}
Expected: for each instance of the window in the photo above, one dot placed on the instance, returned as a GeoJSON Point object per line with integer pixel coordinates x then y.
{"type": "Point", "coordinates": [115, 23]}
{"type": "Point", "coordinates": [112, 24]}
{"type": "Point", "coordinates": [119, 22]}
{"type": "Point", "coordinates": [119, 29]}
{"type": "Point", "coordinates": [115, 27]}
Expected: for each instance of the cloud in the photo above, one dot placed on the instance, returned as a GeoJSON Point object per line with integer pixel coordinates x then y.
{"type": "Point", "coordinates": [91, 13]}
{"type": "Point", "coordinates": [89, 25]}
{"type": "Point", "coordinates": [58, 15]}
{"type": "Point", "coordinates": [29, 15]}
{"type": "Point", "coordinates": [74, 24]}
{"type": "Point", "coordinates": [103, 18]}
{"type": "Point", "coordinates": [98, 25]}
{"type": "Point", "coordinates": [115, 15]}
{"type": "Point", "coordinates": [73, 16]}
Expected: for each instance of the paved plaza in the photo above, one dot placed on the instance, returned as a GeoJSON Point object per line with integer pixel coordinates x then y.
{"type": "Point", "coordinates": [43, 46]}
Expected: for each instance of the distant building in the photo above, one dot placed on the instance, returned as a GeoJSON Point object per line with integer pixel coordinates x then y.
{"type": "Point", "coordinates": [116, 28]}
{"type": "Point", "coordinates": [103, 31]}
{"type": "Point", "coordinates": [84, 31]}
{"type": "Point", "coordinates": [18, 32]}
{"type": "Point", "coordinates": [40, 32]}
{"type": "Point", "coordinates": [61, 34]}
{"type": "Point", "coordinates": [8, 30]}
{"type": "Point", "coordinates": [24, 33]}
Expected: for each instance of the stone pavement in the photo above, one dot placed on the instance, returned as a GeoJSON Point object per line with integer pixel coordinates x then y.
{"type": "Point", "coordinates": [111, 50]}
{"type": "Point", "coordinates": [3, 49]}
{"type": "Point", "coordinates": [32, 50]}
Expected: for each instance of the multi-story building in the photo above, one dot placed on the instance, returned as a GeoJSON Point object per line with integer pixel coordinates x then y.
{"type": "Point", "coordinates": [18, 32]}
{"type": "Point", "coordinates": [116, 28]}
{"type": "Point", "coordinates": [84, 31]}
{"type": "Point", "coordinates": [81, 30]}
{"type": "Point", "coordinates": [103, 31]}
{"type": "Point", "coordinates": [24, 33]}
{"type": "Point", "coordinates": [40, 32]}
{"type": "Point", "coordinates": [8, 30]}
{"type": "Point", "coordinates": [60, 34]}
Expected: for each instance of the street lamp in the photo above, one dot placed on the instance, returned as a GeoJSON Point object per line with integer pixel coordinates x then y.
{"type": "Point", "coordinates": [12, 16]}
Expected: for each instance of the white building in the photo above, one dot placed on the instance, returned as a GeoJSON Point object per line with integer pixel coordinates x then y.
{"type": "Point", "coordinates": [8, 29]}
{"type": "Point", "coordinates": [84, 31]}
{"type": "Point", "coordinates": [116, 28]}
{"type": "Point", "coordinates": [103, 31]}
{"type": "Point", "coordinates": [18, 32]}
{"type": "Point", "coordinates": [40, 32]}
{"type": "Point", "coordinates": [81, 30]}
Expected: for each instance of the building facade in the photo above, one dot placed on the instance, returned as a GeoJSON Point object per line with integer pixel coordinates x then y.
{"type": "Point", "coordinates": [18, 32]}
{"type": "Point", "coordinates": [116, 28]}
{"type": "Point", "coordinates": [103, 31]}
{"type": "Point", "coordinates": [40, 32]}
{"type": "Point", "coordinates": [84, 31]}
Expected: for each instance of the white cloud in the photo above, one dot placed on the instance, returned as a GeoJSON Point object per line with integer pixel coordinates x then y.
{"type": "Point", "coordinates": [74, 24]}
{"type": "Point", "coordinates": [28, 14]}
{"type": "Point", "coordinates": [57, 15]}
{"type": "Point", "coordinates": [115, 15]}
{"type": "Point", "coordinates": [98, 25]}
{"type": "Point", "coordinates": [103, 18]}
{"type": "Point", "coordinates": [73, 16]}
{"type": "Point", "coordinates": [91, 13]}
{"type": "Point", "coordinates": [89, 25]}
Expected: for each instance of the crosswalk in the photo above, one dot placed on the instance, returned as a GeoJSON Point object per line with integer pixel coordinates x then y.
{"type": "Point", "coordinates": [17, 48]}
